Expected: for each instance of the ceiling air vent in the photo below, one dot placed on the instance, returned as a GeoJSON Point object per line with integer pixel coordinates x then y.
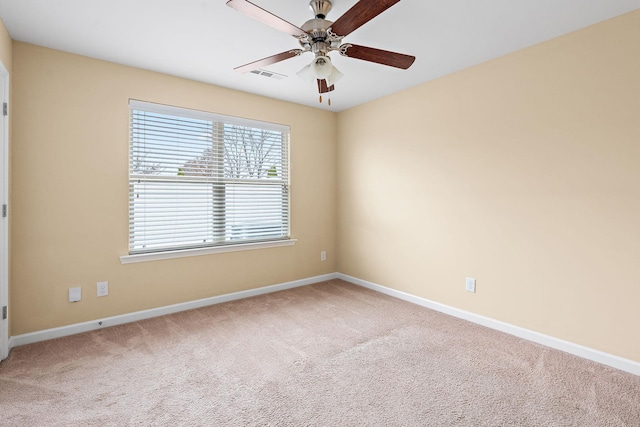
{"type": "Point", "coordinates": [269, 74]}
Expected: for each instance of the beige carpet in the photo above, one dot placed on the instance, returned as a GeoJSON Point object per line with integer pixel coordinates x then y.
{"type": "Point", "coordinates": [330, 354]}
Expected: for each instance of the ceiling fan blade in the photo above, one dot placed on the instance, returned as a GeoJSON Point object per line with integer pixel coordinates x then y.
{"type": "Point", "coordinates": [268, 61]}
{"type": "Point", "coordinates": [384, 57]}
{"type": "Point", "coordinates": [361, 13]}
{"type": "Point", "coordinates": [322, 86]}
{"type": "Point", "coordinates": [266, 17]}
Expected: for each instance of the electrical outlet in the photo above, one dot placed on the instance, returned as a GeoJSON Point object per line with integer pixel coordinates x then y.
{"type": "Point", "coordinates": [470, 285]}
{"type": "Point", "coordinates": [102, 289]}
{"type": "Point", "coordinates": [323, 256]}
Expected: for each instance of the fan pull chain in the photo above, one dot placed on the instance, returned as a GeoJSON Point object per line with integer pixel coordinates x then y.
{"type": "Point", "coordinates": [328, 99]}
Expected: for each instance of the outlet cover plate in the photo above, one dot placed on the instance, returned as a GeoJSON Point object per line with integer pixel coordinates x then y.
{"type": "Point", "coordinates": [470, 285]}
{"type": "Point", "coordinates": [102, 289]}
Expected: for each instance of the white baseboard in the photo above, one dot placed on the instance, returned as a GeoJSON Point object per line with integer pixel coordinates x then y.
{"type": "Point", "coordinates": [617, 362]}
{"type": "Point", "coordinates": [77, 328]}
{"type": "Point", "coordinates": [10, 345]}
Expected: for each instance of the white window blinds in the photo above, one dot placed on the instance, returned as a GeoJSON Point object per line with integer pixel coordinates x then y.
{"type": "Point", "coordinates": [200, 179]}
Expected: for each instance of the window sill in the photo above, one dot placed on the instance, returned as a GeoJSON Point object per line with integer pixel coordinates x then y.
{"type": "Point", "coordinates": [156, 256]}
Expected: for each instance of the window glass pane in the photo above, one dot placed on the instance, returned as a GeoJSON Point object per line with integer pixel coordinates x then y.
{"type": "Point", "coordinates": [164, 144]}
{"type": "Point", "coordinates": [251, 153]}
{"type": "Point", "coordinates": [171, 214]}
{"type": "Point", "coordinates": [267, 218]}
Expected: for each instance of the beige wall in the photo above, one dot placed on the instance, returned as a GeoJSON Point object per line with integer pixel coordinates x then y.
{"type": "Point", "coordinates": [523, 172]}
{"type": "Point", "coordinates": [70, 192]}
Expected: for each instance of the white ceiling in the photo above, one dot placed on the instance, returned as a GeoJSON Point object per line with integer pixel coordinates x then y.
{"type": "Point", "coordinates": [204, 39]}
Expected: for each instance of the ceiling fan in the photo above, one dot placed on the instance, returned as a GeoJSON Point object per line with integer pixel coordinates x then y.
{"type": "Point", "coordinates": [321, 37]}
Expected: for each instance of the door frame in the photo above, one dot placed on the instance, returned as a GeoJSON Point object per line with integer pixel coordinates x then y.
{"type": "Point", "coordinates": [4, 226]}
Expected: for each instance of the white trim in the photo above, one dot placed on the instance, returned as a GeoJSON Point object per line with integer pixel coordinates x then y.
{"type": "Point", "coordinates": [598, 356]}
{"type": "Point", "coordinates": [4, 198]}
{"type": "Point", "coordinates": [152, 107]}
{"type": "Point", "coordinates": [155, 256]}
{"type": "Point", "coordinates": [77, 328]}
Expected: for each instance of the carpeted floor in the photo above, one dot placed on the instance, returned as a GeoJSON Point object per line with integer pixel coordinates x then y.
{"type": "Point", "coordinates": [330, 354]}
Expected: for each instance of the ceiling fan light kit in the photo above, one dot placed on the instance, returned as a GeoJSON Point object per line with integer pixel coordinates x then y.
{"type": "Point", "coordinates": [321, 37]}
{"type": "Point", "coordinates": [320, 68]}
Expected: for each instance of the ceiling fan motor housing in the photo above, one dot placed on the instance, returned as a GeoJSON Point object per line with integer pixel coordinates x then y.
{"type": "Point", "coordinates": [319, 41]}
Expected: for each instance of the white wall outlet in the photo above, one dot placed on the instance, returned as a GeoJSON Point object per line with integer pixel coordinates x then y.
{"type": "Point", "coordinates": [470, 285]}
{"type": "Point", "coordinates": [75, 294]}
{"type": "Point", "coordinates": [323, 256]}
{"type": "Point", "coordinates": [102, 289]}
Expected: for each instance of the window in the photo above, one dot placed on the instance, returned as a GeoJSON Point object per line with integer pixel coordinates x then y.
{"type": "Point", "coordinates": [200, 179]}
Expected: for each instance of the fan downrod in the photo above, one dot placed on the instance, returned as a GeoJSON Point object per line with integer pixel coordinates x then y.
{"type": "Point", "coordinates": [320, 8]}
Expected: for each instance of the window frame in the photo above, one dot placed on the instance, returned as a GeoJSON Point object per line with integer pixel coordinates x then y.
{"type": "Point", "coordinates": [216, 245]}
